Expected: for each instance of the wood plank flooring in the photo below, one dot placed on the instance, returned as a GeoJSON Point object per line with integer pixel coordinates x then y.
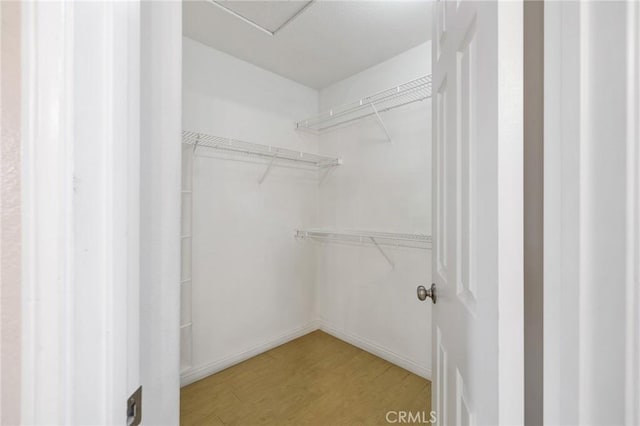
{"type": "Point", "coordinates": [314, 380]}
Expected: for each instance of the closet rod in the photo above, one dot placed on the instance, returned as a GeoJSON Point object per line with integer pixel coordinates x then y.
{"type": "Point", "coordinates": [378, 239]}
{"type": "Point", "coordinates": [418, 241]}
{"type": "Point", "coordinates": [412, 91]}
{"type": "Point", "coordinates": [272, 153]}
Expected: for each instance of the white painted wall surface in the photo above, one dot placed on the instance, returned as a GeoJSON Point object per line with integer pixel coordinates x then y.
{"type": "Point", "coordinates": [10, 212]}
{"type": "Point", "coordinates": [253, 283]}
{"type": "Point", "coordinates": [385, 187]}
{"type": "Point", "coordinates": [160, 109]}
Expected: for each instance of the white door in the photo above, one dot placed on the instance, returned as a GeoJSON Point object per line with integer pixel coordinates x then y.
{"type": "Point", "coordinates": [477, 256]}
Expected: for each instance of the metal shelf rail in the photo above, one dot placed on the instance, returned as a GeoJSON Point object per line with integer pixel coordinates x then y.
{"type": "Point", "coordinates": [404, 94]}
{"type": "Point", "coordinates": [272, 154]}
{"type": "Point", "coordinates": [378, 239]}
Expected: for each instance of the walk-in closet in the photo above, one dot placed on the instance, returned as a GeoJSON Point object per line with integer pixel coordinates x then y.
{"type": "Point", "coordinates": [306, 211]}
{"type": "Point", "coordinates": [319, 212]}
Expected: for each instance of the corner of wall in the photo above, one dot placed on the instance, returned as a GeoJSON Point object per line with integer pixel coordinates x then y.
{"type": "Point", "coordinates": [10, 213]}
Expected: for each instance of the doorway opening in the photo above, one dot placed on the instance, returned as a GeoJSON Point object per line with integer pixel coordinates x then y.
{"type": "Point", "coordinates": [306, 212]}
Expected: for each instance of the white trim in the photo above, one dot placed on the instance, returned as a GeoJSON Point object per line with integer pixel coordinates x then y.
{"type": "Point", "coordinates": [197, 373]}
{"type": "Point", "coordinates": [80, 168]}
{"type": "Point", "coordinates": [591, 254]}
{"type": "Point", "coordinates": [194, 374]}
{"type": "Point", "coordinates": [561, 140]}
{"type": "Point", "coordinates": [632, 356]}
{"type": "Point", "coordinates": [160, 127]}
{"type": "Point", "coordinates": [376, 349]}
{"type": "Point", "coordinates": [47, 177]}
{"type": "Point", "coordinates": [510, 273]}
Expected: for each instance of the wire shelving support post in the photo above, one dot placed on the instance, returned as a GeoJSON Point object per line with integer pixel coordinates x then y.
{"type": "Point", "coordinates": [186, 245]}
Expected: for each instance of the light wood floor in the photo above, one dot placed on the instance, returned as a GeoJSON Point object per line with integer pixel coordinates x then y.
{"type": "Point", "coordinates": [314, 380]}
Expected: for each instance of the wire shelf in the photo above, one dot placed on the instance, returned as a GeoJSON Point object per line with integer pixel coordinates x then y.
{"type": "Point", "coordinates": [404, 94]}
{"type": "Point", "coordinates": [268, 152]}
{"type": "Point", "coordinates": [418, 241]}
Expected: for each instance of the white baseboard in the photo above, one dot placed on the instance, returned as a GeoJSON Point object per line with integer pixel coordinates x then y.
{"type": "Point", "coordinates": [375, 349]}
{"type": "Point", "coordinates": [194, 374]}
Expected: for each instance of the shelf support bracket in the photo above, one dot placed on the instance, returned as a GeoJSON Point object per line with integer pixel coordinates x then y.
{"type": "Point", "coordinates": [325, 174]}
{"type": "Point", "coordinates": [375, 110]}
{"type": "Point", "coordinates": [195, 145]}
{"type": "Point", "coordinates": [386, 256]}
{"type": "Point", "coordinates": [266, 172]}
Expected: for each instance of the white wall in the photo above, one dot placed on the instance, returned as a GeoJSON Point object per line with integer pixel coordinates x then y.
{"type": "Point", "coordinates": [382, 186]}
{"type": "Point", "coordinates": [160, 110]}
{"type": "Point", "coordinates": [10, 224]}
{"type": "Point", "coordinates": [253, 283]}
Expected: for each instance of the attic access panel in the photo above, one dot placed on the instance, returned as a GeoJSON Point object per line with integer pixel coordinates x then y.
{"type": "Point", "coordinates": [267, 16]}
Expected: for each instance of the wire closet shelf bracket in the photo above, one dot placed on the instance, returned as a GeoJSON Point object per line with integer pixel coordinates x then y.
{"type": "Point", "coordinates": [397, 96]}
{"type": "Point", "coordinates": [378, 239]}
{"type": "Point", "coordinates": [272, 154]}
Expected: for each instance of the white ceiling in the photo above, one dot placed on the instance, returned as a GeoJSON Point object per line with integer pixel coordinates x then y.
{"type": "Point", "coordinates": [327, 42]}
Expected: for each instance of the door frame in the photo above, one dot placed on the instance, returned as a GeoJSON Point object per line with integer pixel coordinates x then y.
{"type": "Point", "coordinates": [592, 213]}
{"type": "Point", "coordinates": [83, 228]}
{"type": "Point", "coordinates": [80, 223]}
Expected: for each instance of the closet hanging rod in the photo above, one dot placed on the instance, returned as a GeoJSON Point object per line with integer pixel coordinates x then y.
{"type": "Point", "coordinates": [415, 90]}
{"type": "Point", "coordinates": [268, 152]}
{"type": "Point", "coordinates": [378, 239]}
{"type": "Point", "coordinates": [418, 241]}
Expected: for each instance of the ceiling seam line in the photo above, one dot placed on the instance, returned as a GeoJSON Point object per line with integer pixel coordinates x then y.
{"type": "Point", "coordinates": [243, 18]}
{"type": "Point", "coordinates": [297, 14]}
